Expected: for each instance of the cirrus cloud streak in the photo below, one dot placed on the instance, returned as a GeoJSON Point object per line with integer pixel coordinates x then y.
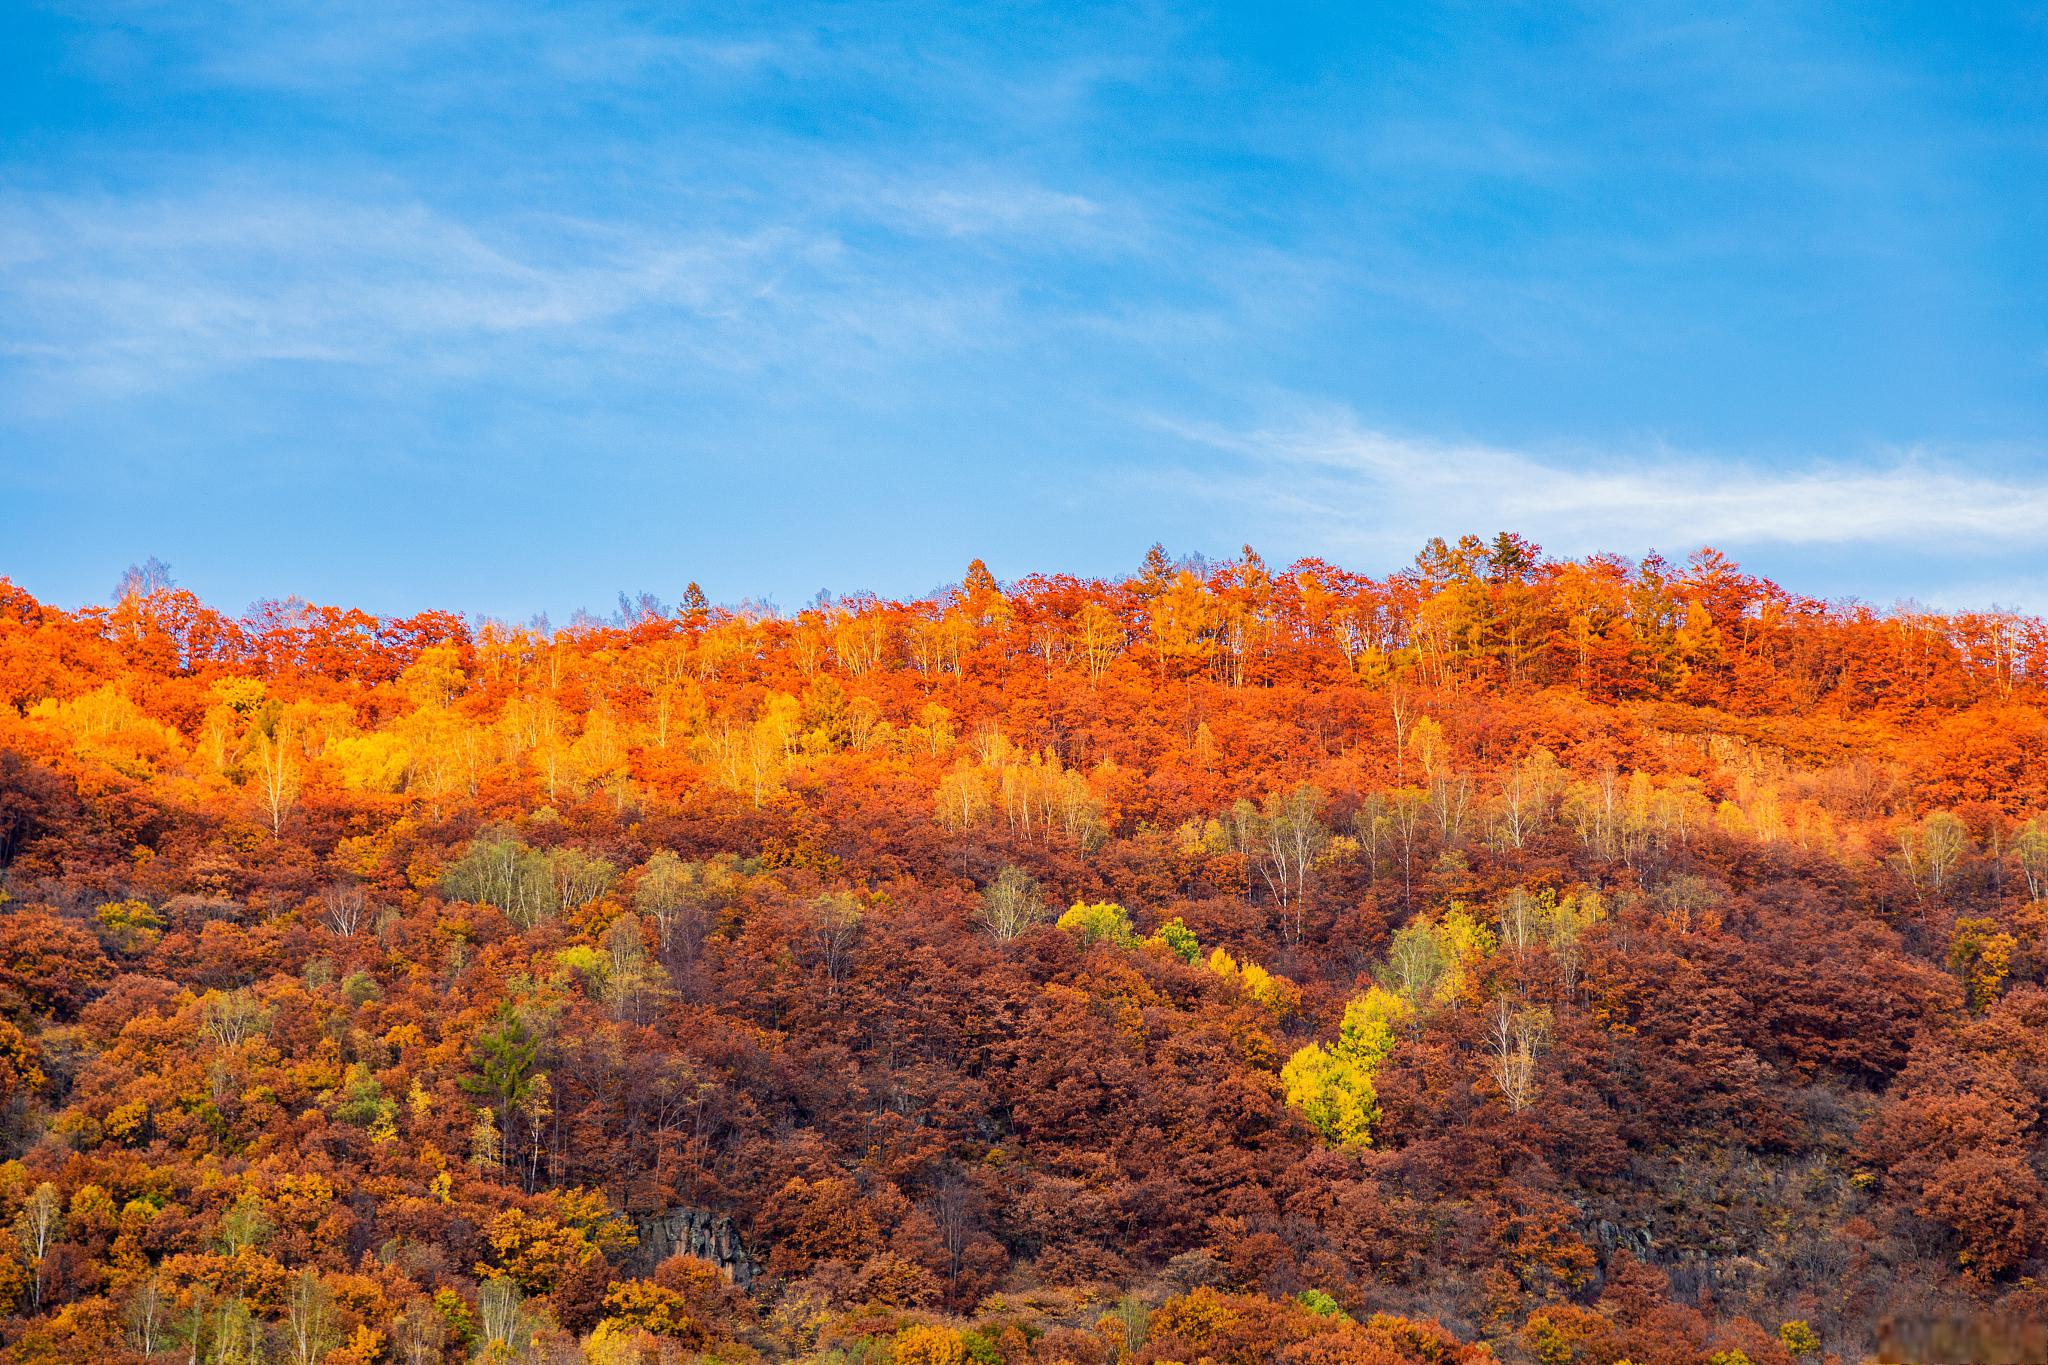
{"type": "Point", "coordinates": [1373, 490]}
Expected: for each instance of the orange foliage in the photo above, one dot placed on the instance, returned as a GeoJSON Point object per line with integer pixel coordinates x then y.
{"type": "Point", "coordinates": [464, 966]}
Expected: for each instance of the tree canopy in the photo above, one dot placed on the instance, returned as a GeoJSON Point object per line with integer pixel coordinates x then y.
{"type": "Point", "coordinates": [1509, 958]}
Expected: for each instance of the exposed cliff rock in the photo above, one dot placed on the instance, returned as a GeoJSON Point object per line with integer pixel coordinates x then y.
{"type": "Point", "coordinates": [693, 1232]}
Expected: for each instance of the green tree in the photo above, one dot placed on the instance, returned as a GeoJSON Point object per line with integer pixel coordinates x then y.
{"type": "Point", "coordinates": [2030, 847]}
{"type": "Point", "coordinates": [1012, 903]}
{"type": "Point", "coordinates": [244, 1225]}
{"type": "Point", "coordinates": [662, 890]}
{"type": "Point", "coordinates": [310, 1329]}
{"type": "Point", "coordinates": [237, 1337]}
{"type": "Point", "coordinates": [1180, 940]}
{"type": "Point", "coordinates": [498, 870]}
{"type": "Point", "coordinates": [1931, 851]}
{"type": "Point", "coordinates": [505, 1056]}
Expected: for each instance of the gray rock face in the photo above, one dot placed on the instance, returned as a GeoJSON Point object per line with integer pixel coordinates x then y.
{"type": "Point", "coordinates": [1613, 1237]}
{"type": "Point", "coordinates": [692, 1232]}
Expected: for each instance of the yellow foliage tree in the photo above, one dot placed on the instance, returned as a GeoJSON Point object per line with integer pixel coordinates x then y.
{"type": "Point", "coordinates": [649, 1307]}
{"type": "Point", "coordinates": [1105, 922]}
{"type": "Point", "coordinates": [929, 1344]}
{"type": "Point", "coordinates": [533, 1250]}
{"type": "Point", "coordinates": [1333, 1087]}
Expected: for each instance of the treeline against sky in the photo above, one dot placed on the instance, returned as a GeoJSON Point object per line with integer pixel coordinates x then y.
{"type": "Point", "coordinates": [1510, 958]}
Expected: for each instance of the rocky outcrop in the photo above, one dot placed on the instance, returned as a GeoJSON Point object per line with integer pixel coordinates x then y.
{"type": "Point", "coordinates": [1613, 1237]}
{"type": "Point", "coordinates": [692, 1232]}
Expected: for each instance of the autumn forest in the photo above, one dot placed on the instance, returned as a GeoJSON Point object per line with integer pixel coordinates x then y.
{"type": "Point", "coordinates": [1521, 959]}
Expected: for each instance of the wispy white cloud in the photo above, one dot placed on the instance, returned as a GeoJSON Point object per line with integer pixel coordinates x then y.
{"type": "Point", "coordinates": [970, 209]}
{"type": "Point", "coordinates": [107, 294]}
{"type": "Point", "coordinates": [1375, 491]}
{"type": "Point", "coordinates": [137, 292]}
{"type": "Point", "coordinates": [472, 53]}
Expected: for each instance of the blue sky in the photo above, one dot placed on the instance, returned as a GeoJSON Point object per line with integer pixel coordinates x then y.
{"type": "Point", "coordinates": [507, 307]}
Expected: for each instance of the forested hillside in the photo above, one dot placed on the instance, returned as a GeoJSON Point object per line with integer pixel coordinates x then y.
{"type": "Point", "coordinates": [1520, 959]}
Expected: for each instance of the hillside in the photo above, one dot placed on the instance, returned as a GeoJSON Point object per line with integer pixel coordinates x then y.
{"type": "Point", "coordinates": [1513, 958]}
